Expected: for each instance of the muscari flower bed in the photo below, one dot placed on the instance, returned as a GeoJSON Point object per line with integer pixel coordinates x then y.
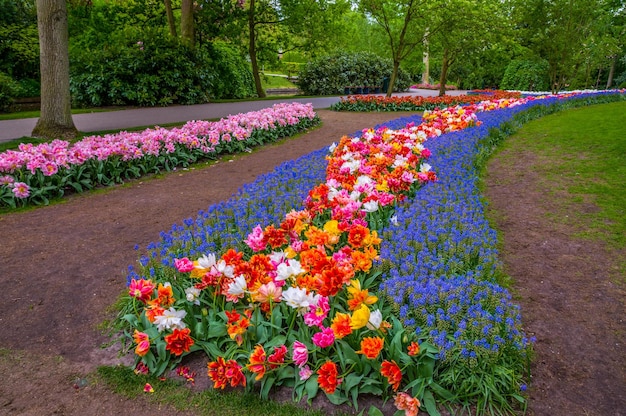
{"type": "Point", "coordinates": [34, 174]}
{"type": "Point", "coordinates": [388, 286]}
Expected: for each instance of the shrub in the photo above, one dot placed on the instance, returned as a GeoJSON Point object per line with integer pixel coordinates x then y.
{"type": "Point", "coordinates": [330, 74]}
{"type": "Point", "coordinates": [151, 68]}
{"type": "Point", "coordinates": [9, 89]}
{"type": "Point", "coordinates": [526, 75]}
{"type": "Point", "coordinates": [233, 73]}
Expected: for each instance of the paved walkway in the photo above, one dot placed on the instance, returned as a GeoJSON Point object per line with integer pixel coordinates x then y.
{"type": "Point", "coordinates": [149, 117]}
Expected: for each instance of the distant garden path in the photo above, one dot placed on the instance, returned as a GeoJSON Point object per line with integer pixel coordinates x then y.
{"type": "Point", "coordinates": [64, 265]}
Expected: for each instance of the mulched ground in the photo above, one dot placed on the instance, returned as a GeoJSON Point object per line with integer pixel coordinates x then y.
{"type": "Point", "coordinates": [64, 265]}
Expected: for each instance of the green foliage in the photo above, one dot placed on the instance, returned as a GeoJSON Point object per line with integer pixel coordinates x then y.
{"type": "Point", "coordinates": [19, 42]}
{"type": "Point", "coordinates": [526, 75]}
{"type": "Point", "coordinates": [232, 72]}
{"type": "Point", "coordinates": [331, 74]}
{"type": "Point", "coordinates": [8, 91]}
{"type": "Point", "coordinates": [148, 68]}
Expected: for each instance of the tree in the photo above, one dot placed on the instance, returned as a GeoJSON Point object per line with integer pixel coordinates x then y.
{"type": "Point", "coordinates": [400, 20]}
{"type": "Point", "coordinates": [56, 111]}
{"type": "Point", "coordinates": [276, 27]}
{"type": "Point", "coordinates": [451, 23]}
{"type": "Point", "coordinates": [171, 23]}
{"type": "Point", "coordinates": [557, 30]}
{"type": "Point", "coordinates": [187, 26]}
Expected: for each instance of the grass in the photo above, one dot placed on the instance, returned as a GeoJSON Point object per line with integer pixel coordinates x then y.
{"type": "Point", "coordinates": [583, 163]}
{"type": "Point", "coordinates": [124, 382]}
{"type": "Point", "coordinates": [269, 81]}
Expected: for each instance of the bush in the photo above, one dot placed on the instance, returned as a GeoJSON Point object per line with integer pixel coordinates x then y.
{"type": "Point", "coordinates": [526, 75]}
{"type": "Point", "coordinates": [330, 75]}
{"type": "Point", "coordinates": [151, 68]}
{"type": "Point", "coordinates": [233, 73]}
{"type": "Point", "coordinates": [9, 89]}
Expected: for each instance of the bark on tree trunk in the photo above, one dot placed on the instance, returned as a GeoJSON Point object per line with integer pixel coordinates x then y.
{"type": "Point", "coordinates": [252, 51]}
{"type": "Point", "coordinates": [55, 119]}
{"type": "Point", "coordinates": [170, 17]}
{"type": "Point", "coordinates": [392, 80]}
{"type": "Point", "coordinates": [444, 73]}
{"type": "Point", "coordinates": [187, 30]}
{"type": "Point", "coordinates": [609, 81]}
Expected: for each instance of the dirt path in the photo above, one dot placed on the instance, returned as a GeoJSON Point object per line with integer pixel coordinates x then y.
{"type": "Point", "coordinates": [569, 301]}
{"type": "Point", "coordinates": [63, 265]}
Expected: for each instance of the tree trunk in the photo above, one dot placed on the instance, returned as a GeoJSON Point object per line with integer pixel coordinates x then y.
{"type": "Point", "coordinates": [426, 61]}
{"type": "Point", "coordinates": [55, 119]}
{"type": "Point", "coordinates": [394, 76]}
{"type": "Point", "coordinates": [445, 65]}
{"type": "Point", "coordinates": [170, 17]}
{"type": "Point", "coordinates": [252, 51]}
{"type": "Point", "coordinates": [609, 81]}
{"type": "Point", "coordinates": [187, 29]}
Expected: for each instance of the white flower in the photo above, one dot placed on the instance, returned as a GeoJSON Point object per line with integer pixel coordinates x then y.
{"type": "Point", "coordinates": [332, 147]}
{"type": "Point", "coordinates": [238, 286]}
{"type": "Point", "coordinates": [394, 220]}
{"type": "Point", "coordinates": [351, 166]}
{"type": "Point", "coordinates": [298, 299]}
{"type": "Point", "coordinates": [288, 269]}
{"type": "Point", "coordinates": [277, 257]}
{"type": "Point", "coordinates": [400, 161]}
{"type": "Point", "coordinates": [363, 180]}
{"type": "Point", "coordinates": [376, 318]}
{"type": "Point", "coordinates": [206, 262]}
{"type": "Point", "coordinates": [221, 267]}
{"type": "Point", "coordinates": [425, 167]}
{"type": "Point", "coordinates": [171, 319]}
{"type": "Point", "coordinates": [192, 295]}
{"type": "Point", "coordinates": [370, 206]}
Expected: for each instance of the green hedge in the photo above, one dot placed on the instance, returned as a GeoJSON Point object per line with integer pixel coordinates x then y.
{"type": "Point", "coordinates": [330, 75]}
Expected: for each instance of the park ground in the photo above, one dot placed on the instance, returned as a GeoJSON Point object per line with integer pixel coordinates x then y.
{"type": "Point", "coordinates": [64, 265]}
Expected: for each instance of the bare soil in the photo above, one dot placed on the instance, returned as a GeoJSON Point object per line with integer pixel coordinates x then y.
{"type": "Point", "coordinates": [64, 265]}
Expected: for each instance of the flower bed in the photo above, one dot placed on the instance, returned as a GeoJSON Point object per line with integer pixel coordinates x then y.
{"type": "Point", "coordinates": [36, 174]}
{"type": "Point", "coordinates": [313, 303]}
{"type": "Point", "coordinates": [413, 103]}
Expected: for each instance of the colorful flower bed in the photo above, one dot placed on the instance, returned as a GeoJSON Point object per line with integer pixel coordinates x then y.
{"type": "Point", "coordinates": [34, 174]}
{"type": "Point", "coordinates": [371, 283]}
{"type": "Point", "coordinates": [414, 103]}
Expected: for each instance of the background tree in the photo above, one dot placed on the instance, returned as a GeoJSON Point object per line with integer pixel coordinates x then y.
{"type": "Point", "coordinates": [449, 27]}
{"type": "Point", "coordinates": [55, 119]}
{"type": "Point", "coordinates": [171, 22]}
{"type": "Point", "coordinates": [187, 25]}
{"type": "Point", "coordinates": [278, 27]}
{"type": "Point", "coordinates": [555, 30]}
{"type": "Point", "coordinates": [19, 46]}
{"type": "Point", "coordinates": [403, 22]}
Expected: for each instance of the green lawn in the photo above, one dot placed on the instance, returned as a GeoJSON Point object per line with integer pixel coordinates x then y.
{"type": "Point", "coordinates": [584, 155]}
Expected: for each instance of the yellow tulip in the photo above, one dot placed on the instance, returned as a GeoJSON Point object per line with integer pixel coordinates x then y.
{"type": "Point", "coordinates": [360, 317]}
